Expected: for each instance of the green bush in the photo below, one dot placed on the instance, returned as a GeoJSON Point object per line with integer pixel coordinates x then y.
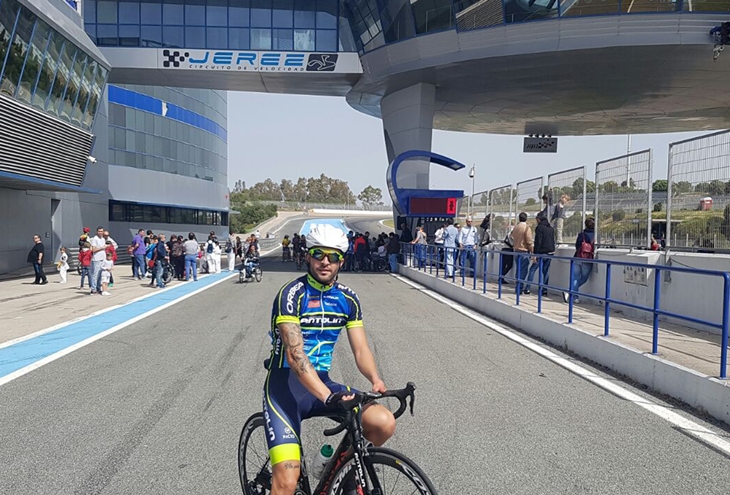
{"type": "Point", "coordinates": [618, 215]}
{"type": "Point", "coordinates": [657, 207]}
{"type": "Point", "coordinates": [250, 215]}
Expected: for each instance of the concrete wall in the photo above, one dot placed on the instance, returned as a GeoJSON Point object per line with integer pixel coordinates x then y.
{"type": "Point", "coordinates": [697, 296]}
{"type": "Point", "coordinates": [699, 391]}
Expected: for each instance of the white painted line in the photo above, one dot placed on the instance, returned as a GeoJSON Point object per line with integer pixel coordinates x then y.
{"type": "Point", "coordinates": [31, 367]}
{"type": "Point", "coordinates": [687, 426]}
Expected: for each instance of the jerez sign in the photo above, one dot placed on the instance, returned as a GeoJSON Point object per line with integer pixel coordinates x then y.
{"type": "Point", "coordinates": [255, 61]}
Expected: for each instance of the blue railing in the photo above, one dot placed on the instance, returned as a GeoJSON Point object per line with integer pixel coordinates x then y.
{"type": "Point", "coordinates": [449, 260]}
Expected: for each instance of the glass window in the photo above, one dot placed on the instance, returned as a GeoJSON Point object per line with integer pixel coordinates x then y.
{"type": "Point", "coordinates": [129, 36]}
{"type": "Point", "coordinates": [172, 14]}
{"type": "Point", "coordinates": [106, 12]}
{"type": "Point", "coordinates": [151, 36]}
{"type": "Point", "coordinates": [116, 117]}
{"type": "Point", "coordinates": [217, 37]}
{"type": "Point", "coordinates": [151, 13]}
{"type": "Point", "coordinates": [238, 39]}
{"type": "Point", "coordinates": [107, 34]}
{"type": "Point", "coordinates": [8, 15]}
{"type": "Point", "coordinates": [260, 39]}
{"type": "Point", "coordinates": [89, 10]}
{"type": "Point", "coordinates": [74, 82]}
{"type": "Point", "coordinates": [172, 36]}
{"type": "Point", "coordinates": [41, 37]}
{"type": "Point", "coordinates": [304, 40]}
{"type": "Point", "coordinates": [260, 13]}
{"type": "Point", "coordinates": [326, 40]}
{"type": "Point", "coordinates": [96, 91]}
{"type": "Point", "coordinates": [283, 13]}
{"type": "Point", "coordinates": [194, 37]}
{"type": "Point", "coordinates": [68, 54]}
{"type": "Point", "coordinates": [216, 13]}
{"type": "Point", "coordinates": [283, 39]}
{"type": "Point", "coordinates": [128, 12]}
{"type": "Point", "coordinates": [327, 14]}
{"type": "Point", "coordinates": [194, 15]}
{"type": "Point", "coordinates": [17, 51]}
{"type": "Point", "coordinates": [397, 22]}
{"type": "Point", "coordinates": [238, 15]}
{"type": "Point", "coordinates": [91, 31]}
{"type": "Point", "coordinates": [432, 15]}
{"type": "Point", "coordinates": [512, 14]}
{"type": "Point", "coordinates": [304, 14]}
{"type": "Point", "coordinates": [48, 70]}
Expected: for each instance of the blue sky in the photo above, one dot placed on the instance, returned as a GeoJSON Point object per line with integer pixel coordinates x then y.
{"type": "Point", "coordinates": [286, 136]}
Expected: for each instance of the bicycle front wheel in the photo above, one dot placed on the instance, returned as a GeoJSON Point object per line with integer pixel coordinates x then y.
{"type": "Point", "coordinates": [259, 274]}
{"type": "Point", "coordinates": [254, 466]}
{"type": "Point", "coordinates": [394, 474]}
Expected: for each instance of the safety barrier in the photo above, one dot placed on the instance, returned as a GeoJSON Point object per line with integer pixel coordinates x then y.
{"type": "Point", "coordinates": [427, 257]}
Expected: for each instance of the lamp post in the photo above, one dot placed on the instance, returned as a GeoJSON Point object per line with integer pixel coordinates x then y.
{"type": "Point", "coordinates": [472, 172]}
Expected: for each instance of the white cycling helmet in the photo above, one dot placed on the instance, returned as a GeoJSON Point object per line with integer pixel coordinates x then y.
{"type": "Point", "coordinates": [327, 236]}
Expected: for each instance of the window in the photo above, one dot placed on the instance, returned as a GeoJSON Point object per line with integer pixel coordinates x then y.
{"type": "Point", "coordinates": [283, 16]}
{"type": "Point", "coordinates": [216, 13]}
{"type": "Point", "coordinates": [151, 36]}
{"type": "Point", "coordinates": [122, 211]}
{"type": "Point", "coordinates": [61, 81]}
{"type": "Point", "coordinates": [327, 14]}
{"type": "Point", "coordinates": [326, 40]}
{"type": "Point", "coordinates": [172, 36]}
{"type": "Point", "coordinates": [128, 12]}
{"type": "Point", "coordinates": [304, 16]}
{"type": "Point", "coordinates": [194, 37]}
{"type": "Point", "coordinates": [41, 38]}
{"type": "Point", "coordinates": [106, 12]}
{"type": "Point", "coordinates": [260, 39]}
{"type": "Point", "coordinates": [194, 14]}
{"type": "Point", "coordinates": [151, 13]}
{"type": "Point", "coordinates": [89, 11]}
{"type": "Point", "coordinates": [96, 92]}
{"type": "Point", "coordinates": [304, 40]}
{"type": "Point", "coordinates": [8, 15]}
{"type": "Point", "coordinates": [261, 13]}
{"type": "Point", "coordinates": [216, 37]}
{"type": "Point", "coordinates": [91, 31]}
{"type": "Point", "coordinates": [238, 16]}
{"type": "Point", "coordinates": [129, 36]}
{"type": "Point", "coordinates": [85, 91]}
{"type": "Point", "coordinates": [72, 91]}
{"type": "Point", "coordinates": [283, 39]}
{"type": "Point", "coordinates": [48, 70]}
{"type": "Point", "coordinates": [172, 14]}
{"type": "Point", "coordinates": [17, 51]}
{"type": "Point", "coordinates": [107, 34]}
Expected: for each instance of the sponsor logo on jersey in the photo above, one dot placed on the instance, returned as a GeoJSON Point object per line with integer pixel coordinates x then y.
{"type": "Point", "coordinates": [322, 320]}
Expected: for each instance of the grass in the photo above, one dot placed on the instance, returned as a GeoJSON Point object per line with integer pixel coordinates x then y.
{"type": "Point", "coordinates": [389, 223]}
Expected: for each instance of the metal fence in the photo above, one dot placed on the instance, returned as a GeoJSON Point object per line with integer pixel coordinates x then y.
{"type": "Point", "coordinates": [624, 200]}
{"type": "Point", "coordinates": [568, 190]}
{"type": "Point", "coordinates": [698, 192]}
{"type": "Point", "coordinates": [501, 208]}
{"type": "Point", "coordinates": [528, 198]}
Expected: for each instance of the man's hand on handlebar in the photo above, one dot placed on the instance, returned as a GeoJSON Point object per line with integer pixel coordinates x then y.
{"type": "Point", "coordinates": [335, 398]}
{"type": "Point", "coordinates": [379, 386]}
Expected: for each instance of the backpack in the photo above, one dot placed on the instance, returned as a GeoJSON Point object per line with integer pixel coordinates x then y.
{"type": "Point", "coordinates": [209, 249]}
{"type": "Point", "coordinates": [585, 250]}
{"type": "Point", "coordinates": [229, 246]}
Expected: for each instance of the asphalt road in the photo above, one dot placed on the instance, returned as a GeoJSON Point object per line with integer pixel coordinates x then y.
{"type": "Point", "coordinates": [157, 407]}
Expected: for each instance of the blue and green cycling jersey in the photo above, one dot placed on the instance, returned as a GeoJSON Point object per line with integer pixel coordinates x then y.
{"type": "Point", "coordinates": [320, 311]}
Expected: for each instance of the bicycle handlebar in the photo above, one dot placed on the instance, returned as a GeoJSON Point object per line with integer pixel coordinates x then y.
{"type": "Point", "coordinates": [364, 398]}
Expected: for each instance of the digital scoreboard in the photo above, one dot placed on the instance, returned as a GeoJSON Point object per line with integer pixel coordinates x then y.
{"type": "Point", "coordinates": [419, 206]}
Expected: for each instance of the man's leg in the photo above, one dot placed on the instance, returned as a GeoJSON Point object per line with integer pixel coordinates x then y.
{"type": "Point", "coordinates": [36, 271]}
{"type": "Point", "coordinates": [531, 274]}
{"type": "Point", "coordinates": [158, 273]}
{"type": "Point", "coordinates": [473, 262]}
{"type": "Point", "coordinates": [546, 270]}
{"type": "Point", "coordinates": [93, 276]}
{"type": "Point", "coordinates": [378, 424]}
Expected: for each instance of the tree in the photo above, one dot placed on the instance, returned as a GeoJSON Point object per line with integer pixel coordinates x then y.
{"type": "Point", "coordinates": [681, 187]}
{"type": "Point", "coordinates": [659, 185]}
{"type": "Point", "coordinates": [371, 195]}
{"type": "Point", "coordinates": [609, 187]}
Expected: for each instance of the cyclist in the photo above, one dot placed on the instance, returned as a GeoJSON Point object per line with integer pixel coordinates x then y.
{"type": "Point", "coordinates": [285, 252]}
{"type": "Point", "coordinates": [296, 241]}
{"type": "Point", "coordinates": [307, 317]}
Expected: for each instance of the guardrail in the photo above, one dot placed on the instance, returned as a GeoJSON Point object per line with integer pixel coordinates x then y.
{"type": "Point", "coordinates": [448, 260]}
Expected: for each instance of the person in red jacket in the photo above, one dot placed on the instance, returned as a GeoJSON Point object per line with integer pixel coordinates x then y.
{"type": "Point", "coordinates": [85, 262]}
{"type": "Point", "coordinates": [112, 250]}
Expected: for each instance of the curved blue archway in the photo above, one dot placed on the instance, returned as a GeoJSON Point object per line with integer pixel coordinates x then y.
{"type": "Point", "coordinates": [402, 197]}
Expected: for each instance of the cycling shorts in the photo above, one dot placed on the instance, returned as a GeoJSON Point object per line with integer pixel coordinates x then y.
{"type": "Point", "coordinates": [286, 404]}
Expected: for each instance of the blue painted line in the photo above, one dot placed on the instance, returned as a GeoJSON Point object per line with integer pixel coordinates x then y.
{"type": "Point", "coordinates": [329, 221]}
{"type": "Point", "coordinates": [30, 351]}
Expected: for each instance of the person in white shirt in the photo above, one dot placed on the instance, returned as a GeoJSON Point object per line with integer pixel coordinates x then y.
{"type": "Point", "coordinates": [468, 237]}
{"type": "Point", "coordinates": [98, 248]}
{"type": "Point", "coordinates": [63, 264]}
{"type": "Point", "coordinates": [216, 257]}
{"type": "Point", "coordinates": [438, 239]}
{"type": "Point", "coordinates": [106, 273]}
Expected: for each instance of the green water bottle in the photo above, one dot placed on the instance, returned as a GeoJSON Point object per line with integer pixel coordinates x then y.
{"type": "Point", "coordinates": [323, 458]}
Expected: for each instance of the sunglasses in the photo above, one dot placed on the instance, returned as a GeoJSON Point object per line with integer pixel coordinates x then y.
{"type": "Point", "coordinates": [332, 256]}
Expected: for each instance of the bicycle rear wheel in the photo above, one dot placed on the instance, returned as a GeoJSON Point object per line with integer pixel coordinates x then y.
{"type": "Point", "coordinates": [258, 273]}
{"type": "Point", "coordinates": [396, 474]}
{"type": "Point", "coordinates": [254, 466]}
{"type": "Point", "coordinates": [168, 273]}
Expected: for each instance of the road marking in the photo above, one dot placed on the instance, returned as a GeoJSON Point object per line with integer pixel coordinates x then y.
{"type": "Point", "coordinates": [687, 426]}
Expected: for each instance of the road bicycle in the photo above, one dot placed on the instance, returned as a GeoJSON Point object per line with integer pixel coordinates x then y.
{"type": "Point", "coordinates": [356, 468]}
{"type": "Point", "coordinates": [256, 272]}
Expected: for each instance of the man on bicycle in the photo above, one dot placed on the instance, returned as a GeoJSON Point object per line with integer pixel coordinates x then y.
{"type": "Point", "coordinates": [307, 317]}
{"type": "Point", "coordinates": [285, 249]}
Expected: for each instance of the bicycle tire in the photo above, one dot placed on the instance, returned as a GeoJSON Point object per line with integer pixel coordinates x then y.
{"type": "Point", "coordinates": [251, 486]}
{"type": "Point", "coordinates": [387, 457]}
{"type": "Point", "coordinates": [240, 277]}
{"type": "Point", "coordinates": [168, 273]}
{"type": "Point", "coordinates": [258, 274]}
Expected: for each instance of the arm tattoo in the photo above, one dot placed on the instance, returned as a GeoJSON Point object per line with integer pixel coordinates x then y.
{"type": "Point", "coordinates": [291, 334]}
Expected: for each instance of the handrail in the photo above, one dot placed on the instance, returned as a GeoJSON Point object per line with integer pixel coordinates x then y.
{"type": "Point", "coordinates": [449, 259]}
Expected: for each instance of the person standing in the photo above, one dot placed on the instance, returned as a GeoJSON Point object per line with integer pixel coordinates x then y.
{"type": "Point", "coordinates": [559, 217]}
{"type": "Point", "coordinates": [98, 250]}
{"type": "Point", "coordinates": [85, 262]}
{"type": "Point", "coordinates": [584, 249]}
{"type": "Point", "coordinates": [405, 233]}
{"type": "Point", "coordinates": [35, 257]}
{"type": "Point", "coordinates": [544, 244]}
{"type": "Point", "coordinates": [420, 243]}
{"type": "Point", "coordinates": [523, 245]}
{"type": "Point", "coordinates": [192, 248]}
{"type": "Point", "coordinates": [63, 264]}
{"type": "Point", "coordinates": [231, 252]}
{"type": "Point", "coordinates": [139, 267]}
{"type": "Point", "coordinates": [450, 238]}
{"type": "Point", "coordinates": [393, 250]}
{"type": "Point", "coordinates": [178, 257]}
{"type": "Point", "coordinates": [107, 267]}
{"type": "Point", "coordinates": [161, 255]}
{"type": "Point", "coordinates": [438, 240]}
{"type": "Point", "coordinates": [468, 237]}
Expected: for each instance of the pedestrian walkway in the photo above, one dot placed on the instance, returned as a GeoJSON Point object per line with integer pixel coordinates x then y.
{"type": "Point", "coordinates": [694, 349]}
{"type": "Point", "coordinates": [26, 308]}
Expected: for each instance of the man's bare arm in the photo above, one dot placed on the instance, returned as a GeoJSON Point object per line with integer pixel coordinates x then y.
{"type": "Point", "coordinates": [299, 362]}
{"type": "Point", "coordinates": [364, 357]}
